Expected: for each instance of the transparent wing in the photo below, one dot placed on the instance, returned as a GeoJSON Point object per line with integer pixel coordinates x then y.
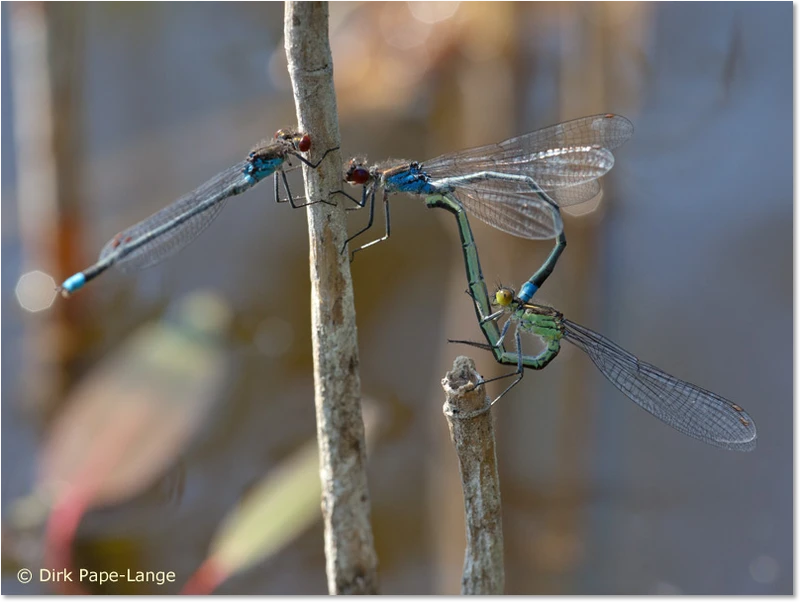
{"type": "Point", "coordinates": [527, 216]}
{"type": "Point", "coordinates": [566, 179]}
{"type": "Point", "coordinates": [514, 209]}
{"type": "Point", "coordinates": [549, 155]}
{"type": "Point", "coordinates": [563, 197]}
{"type": "Point", "coordinates": [166, 232]}
{"type": "Point", "coordinates": [573, 195]}
{"type": "Point", "coordinates": [685, 407]}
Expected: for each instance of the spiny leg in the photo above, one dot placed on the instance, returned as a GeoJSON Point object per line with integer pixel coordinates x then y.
{"type": "Point", "coordinates": [372, 213]}
{"type": "Point", "coordinates": [520, 368]}
{"type": "Point", "coordinates": [503, 332]}
{"type": "Point", "coordinates": [289, 195]}
{"type": "Point", "coordinates": [519, 372]}
{"type": "Point", "coordinates": [489, 325]}
{"type": "Point", "coordinates": [290, 198]}
{"type": "Point", "coordinates": [359, 204]}
{"type": "Point", "coordinates": [518, 359]}
{"type": "Point", "coordinates": [371, 194]}
{"type": "Point", "coordinates": [545, 327]}
{"type": "Point", "coordinates": [317, 164]}
{"type": "Point", "coordinates": [490, 317]}
{"type": "Point", "coordinates": [487, 347]}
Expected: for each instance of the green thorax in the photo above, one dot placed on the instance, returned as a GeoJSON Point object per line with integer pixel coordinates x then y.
{"type": "Point", "coordinates": [540, 320]}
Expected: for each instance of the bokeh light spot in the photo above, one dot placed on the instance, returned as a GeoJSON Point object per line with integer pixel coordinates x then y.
{"type": "Point", "coordinates": [402, 33]}
{"type": "Point", "coordinates": [764, 569]}
{"type": "Point", "coordinates": [35, 291]}
{"type": "Point", "coordinates": [433, 12]}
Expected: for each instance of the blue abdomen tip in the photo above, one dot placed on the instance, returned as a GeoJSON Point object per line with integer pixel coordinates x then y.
{"type": "Point", "coordinates": [73, 283]}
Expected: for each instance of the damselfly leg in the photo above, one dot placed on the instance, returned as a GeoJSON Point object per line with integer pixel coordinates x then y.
{"type": "Point", "coordinates": [289, 197]}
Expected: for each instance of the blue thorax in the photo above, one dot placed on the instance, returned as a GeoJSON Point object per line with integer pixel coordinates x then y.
{"type": "Point", "coordinates": [260, 167]}
{"type": "Point", "coordinates": [412, 180]}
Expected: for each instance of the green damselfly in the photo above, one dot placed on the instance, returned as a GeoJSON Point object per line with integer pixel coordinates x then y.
{"type": "Point", "coordinates": [685, 407]}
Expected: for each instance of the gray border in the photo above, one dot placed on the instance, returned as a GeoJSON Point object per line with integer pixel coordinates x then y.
{"type": "Point", "coordinates": [397, 597]}
{"type": "Point", "coordinates": [796, 418]}
{"type": "Point", "coordinates": [795, 281]}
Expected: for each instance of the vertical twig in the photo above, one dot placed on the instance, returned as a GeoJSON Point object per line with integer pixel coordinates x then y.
{"type": "Point", "coordinates": [468, 413]}
{"type": "Point", "coordinates": [349, 549]}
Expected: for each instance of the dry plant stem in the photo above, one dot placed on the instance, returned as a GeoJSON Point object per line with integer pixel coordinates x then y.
{"type": "Point", "coordinates": [349, 548]}
{"type": "Point", "coordinates": [468, 413]}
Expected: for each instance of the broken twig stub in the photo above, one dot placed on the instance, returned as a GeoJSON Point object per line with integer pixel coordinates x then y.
{"type": "Point", "coordinates": [469, 416]}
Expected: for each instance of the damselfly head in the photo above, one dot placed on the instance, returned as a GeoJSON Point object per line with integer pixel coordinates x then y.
{"type": "Point", "coordinates": [504, 297]}
{"type": "Point", "coordinates": [299, 140]}
{"type": "Point", "coordinates": [356, 172]}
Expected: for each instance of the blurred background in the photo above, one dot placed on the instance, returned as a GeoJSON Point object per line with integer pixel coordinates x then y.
{"type": "Point", "coordinates": [168, 396]}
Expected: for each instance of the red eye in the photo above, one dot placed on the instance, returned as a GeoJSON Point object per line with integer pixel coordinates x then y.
{"type": "Point", "coordinates": [305, 143]}
{"type": "Point", "coordinates": [358, 175]}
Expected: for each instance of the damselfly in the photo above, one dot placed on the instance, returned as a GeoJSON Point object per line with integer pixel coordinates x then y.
{"type": "Point", "coordinates": [166, 232]}
{"type": "Point", "coordinates": [683, 406]}
{"type": "Point", "coordinates": [516, 186]}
